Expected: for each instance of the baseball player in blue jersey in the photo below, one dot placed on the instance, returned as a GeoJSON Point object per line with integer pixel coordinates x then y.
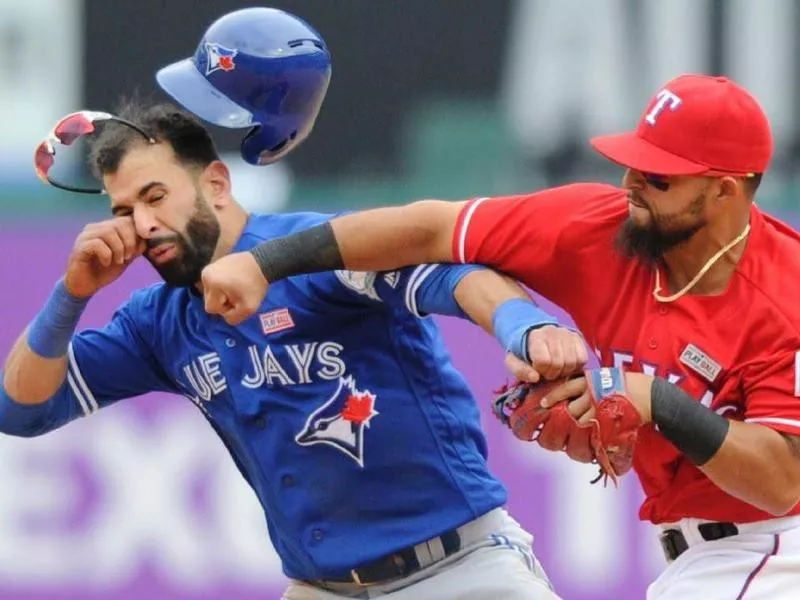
{"type": "Point", "coordinates": [337, 401]}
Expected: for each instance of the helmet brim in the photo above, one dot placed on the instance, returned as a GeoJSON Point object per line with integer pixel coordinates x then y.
{"type": "Point", "coordinates": [187, 86]}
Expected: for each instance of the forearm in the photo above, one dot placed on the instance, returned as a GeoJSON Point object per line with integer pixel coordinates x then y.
{"type": "Point", "coordinates": [29, 378]}
{"type": "Point", "coordinates": [35, 398]}
{"type": "Point", "coordinates": [387, 238]}
{"type": "Point", "coordinates": [480, 293]}
{"type": "Point", "coordinates": [757, 465]}
{"type": "Point", "coordinates": [37, 364]}
{"type": "Point", "coordinates": [373, 240]}
{"type": "Point", "coordinates": [750, 462]}
{"type": "Point", "coordinates": [493, 301]}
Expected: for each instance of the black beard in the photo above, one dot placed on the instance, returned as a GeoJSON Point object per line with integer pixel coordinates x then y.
{"type": "Point", "coordinates": [195, 248]}
{"type": "Point", "coordinates": [648, 244]}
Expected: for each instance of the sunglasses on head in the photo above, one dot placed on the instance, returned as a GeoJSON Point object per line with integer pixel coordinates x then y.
{"type": "Point", "coordinates": [66, 132]}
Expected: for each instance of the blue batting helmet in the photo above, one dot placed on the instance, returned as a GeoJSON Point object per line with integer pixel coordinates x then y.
{"type": "Point", "coordinates": [257, 68]}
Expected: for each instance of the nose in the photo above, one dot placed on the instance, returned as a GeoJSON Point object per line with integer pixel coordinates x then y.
{"type": "Point", "coordinates": [145, 222]}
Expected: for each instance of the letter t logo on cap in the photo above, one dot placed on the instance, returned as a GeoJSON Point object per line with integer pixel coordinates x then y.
{"type": "Point", "coordinates": [664, 97]}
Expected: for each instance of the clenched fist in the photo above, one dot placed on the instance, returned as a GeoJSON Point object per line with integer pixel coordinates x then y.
{"type": "Point", "coordinates": [554, 352]}
{"type": "Point", "coordinates": [101, 254]}
{"type": "Point", "coordinates": [234, 287]}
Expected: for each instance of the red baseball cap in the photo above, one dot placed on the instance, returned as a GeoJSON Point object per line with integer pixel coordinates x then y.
{"type": "Point", "coordinates": [695, 125]}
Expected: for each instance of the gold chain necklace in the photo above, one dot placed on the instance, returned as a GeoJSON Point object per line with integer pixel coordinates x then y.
{"type": "Point", "coordinates": [699, 275]}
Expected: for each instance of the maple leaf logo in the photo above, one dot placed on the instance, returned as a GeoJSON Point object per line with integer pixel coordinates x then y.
{"type": "Point", "coordinates": [359, 408]}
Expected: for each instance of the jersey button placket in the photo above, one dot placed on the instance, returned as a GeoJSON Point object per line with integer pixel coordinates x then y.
{"type": "Point", "coordinates": [318, 534]}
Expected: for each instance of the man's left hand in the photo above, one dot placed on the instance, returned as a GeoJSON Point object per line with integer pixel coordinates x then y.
{"type": "Point", "coordinates": [554, 352]}
{"type": "Point", "coordinates": [580, 403]}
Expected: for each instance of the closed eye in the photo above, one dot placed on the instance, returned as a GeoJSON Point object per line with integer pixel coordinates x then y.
{"type": "Point", "coordinates": [121, 211]}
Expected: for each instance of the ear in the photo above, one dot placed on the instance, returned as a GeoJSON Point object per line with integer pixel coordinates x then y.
{"type": "Point", "coordinates": [216, 184]}
{"type": "Point", "coordinates": [729, 188]}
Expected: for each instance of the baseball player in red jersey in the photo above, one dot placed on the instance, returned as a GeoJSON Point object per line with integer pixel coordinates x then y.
{"type": "Point", "coordinates": [678, 278]}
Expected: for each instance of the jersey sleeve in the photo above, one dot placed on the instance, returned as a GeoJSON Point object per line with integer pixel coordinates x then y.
{"type": "Point", "coordinates": [543, 238]}
{"type": "Point", "coordinates": [375, 289]}
{"type": "Point", "coordinates": [104, 365]}
{"type": "Point", "coordinates": [772, 392]}
{"type": "Point", "coordinates": [116, 361]}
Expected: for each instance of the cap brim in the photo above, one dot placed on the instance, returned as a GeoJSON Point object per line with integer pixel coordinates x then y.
{"type": "Point", "coordinates": [188, 87]}
{"type": "Point", "coordinates": [629, 150]}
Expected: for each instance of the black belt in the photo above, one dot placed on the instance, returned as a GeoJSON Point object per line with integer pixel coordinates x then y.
{"type": "Point", "coordinates": [400, 564]}
{"type": "Point", "coordinates": [674, 542]}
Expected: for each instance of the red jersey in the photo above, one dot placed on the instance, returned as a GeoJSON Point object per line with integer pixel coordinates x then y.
{"type": "Point", "coordinates": [738, 352]}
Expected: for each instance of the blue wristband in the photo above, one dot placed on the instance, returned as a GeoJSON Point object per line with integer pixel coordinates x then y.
{"type": "Point", "coordinates": [51, 331]}
{"type": "Point", "coordinates": [512, 321]}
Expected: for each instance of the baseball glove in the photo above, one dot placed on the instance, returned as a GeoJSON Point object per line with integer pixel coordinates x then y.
{"type": "Point", "coordinates": [608, 439]}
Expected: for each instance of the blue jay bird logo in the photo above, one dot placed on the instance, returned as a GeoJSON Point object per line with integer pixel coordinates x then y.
{"type": "Point", "coordinates": [219, 58]}
{"type": "Point", "coordinates": [340, 422]}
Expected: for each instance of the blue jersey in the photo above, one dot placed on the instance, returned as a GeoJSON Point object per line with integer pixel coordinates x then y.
{"type": "Point", "coordinates": [337, 401]}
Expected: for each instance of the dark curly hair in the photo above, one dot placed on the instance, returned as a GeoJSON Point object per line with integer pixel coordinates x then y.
{"type": "Point", "coordinates": [164, 122]}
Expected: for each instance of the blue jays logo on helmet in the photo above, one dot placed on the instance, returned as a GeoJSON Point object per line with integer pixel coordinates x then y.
{"type": "Point", "coordinates": [258, 68]}
{"type": "Point", "coordinates": [219, 57]}
{"type": "Point", "coordinates": [341, 421]}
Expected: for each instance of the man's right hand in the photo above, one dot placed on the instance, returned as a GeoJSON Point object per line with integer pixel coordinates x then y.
{"type": "Point", "coordinates": [101, 254]}
{"type": "Point", "coordinates": [234, 287]}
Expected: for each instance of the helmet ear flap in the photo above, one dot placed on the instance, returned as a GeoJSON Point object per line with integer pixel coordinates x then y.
{"type": "Point", "coordinates": [259, 147]}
